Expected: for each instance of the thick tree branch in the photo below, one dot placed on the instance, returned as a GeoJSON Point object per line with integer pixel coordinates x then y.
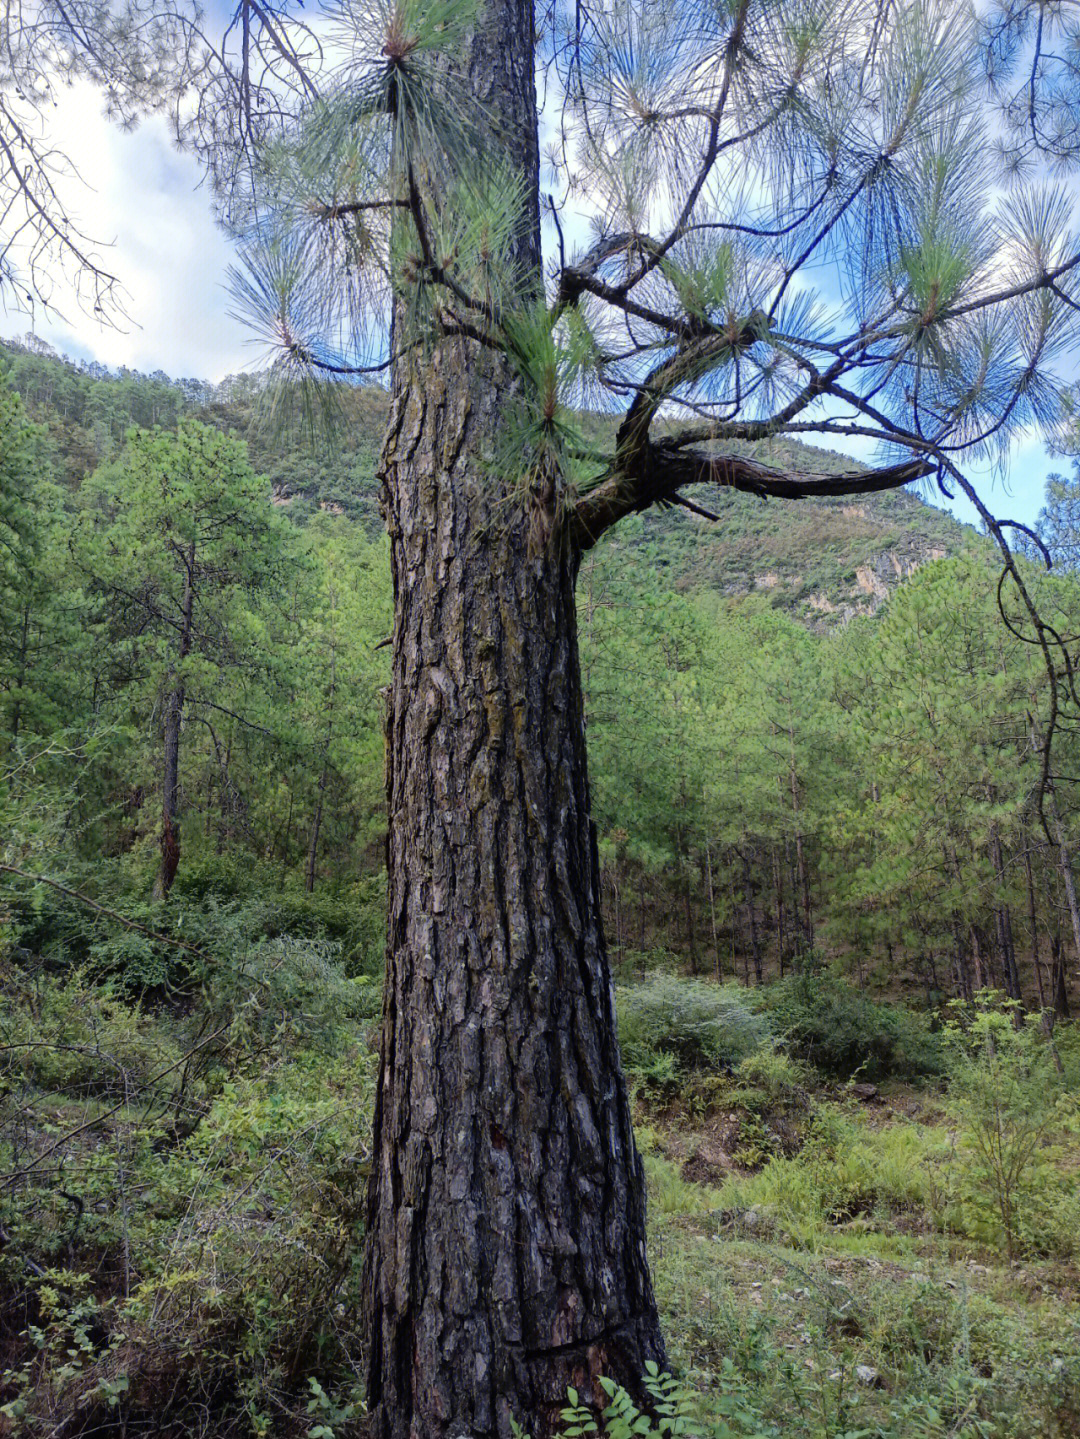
{"type": "Point", "coordinates": [667, 469]}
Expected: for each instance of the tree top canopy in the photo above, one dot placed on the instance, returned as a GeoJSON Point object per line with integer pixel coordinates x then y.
{"type": "Point", "coordinates": [759, 218]}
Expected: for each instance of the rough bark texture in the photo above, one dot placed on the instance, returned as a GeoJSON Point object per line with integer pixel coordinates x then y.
{"type": "Point", "coordinates": [506, 1245]}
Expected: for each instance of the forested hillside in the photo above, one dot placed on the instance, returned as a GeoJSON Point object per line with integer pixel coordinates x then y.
{"type": "Point", "coordinates": [824, 561]}
{"type": "Point", "coordinates": [755, 795]}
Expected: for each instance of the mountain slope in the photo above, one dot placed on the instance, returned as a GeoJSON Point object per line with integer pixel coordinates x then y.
{"type": "Point", "coordinates": [824, 560]}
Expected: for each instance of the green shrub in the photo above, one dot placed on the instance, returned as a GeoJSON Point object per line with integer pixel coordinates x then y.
{"type": "Point", "coordinates": [183, 1237]}
{"type": "Point", "coordinates": [670, 1026]}
{"type": "Point", "coordinates": [842, 1032]}
{"type": "Point", "coordinates": [219, 908]}
{"type": "Point", "coordinates": [290, 986]}
{"type": "Point", "coordinates": [1012, 1105]}
{"type": "Point", "coordinates": [672, 1408]}
{"type": "Point", "coordinates": [631, 966]}
{"type": "Point", "coordinates": [66, 1035]}
{"type": "Point", "coordinates": [770, 1077]}
{"type": "Point", "coordinates": [217, 1268]}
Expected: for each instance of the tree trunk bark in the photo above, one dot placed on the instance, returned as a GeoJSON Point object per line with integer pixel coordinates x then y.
{"type": "Point", "coordinates": [755, 941]}
{"type": "Point", "coordinates": [688, 903]}
{"type": "Point", "coordinates": [312, 867]}
{"type": "Point", "coordinates": [505, 1252]}
{"type": "Point", "coordinates": [982, 979]}
{"type": "Point", "coordinates": [778, 886]}
{"type": "Point", "coordinates": [1036, 962]}
{"type": "Point", "coordinates": [719, 969]}
{"type": "Point", "coordinates": [804, 872]}
{"type": "Point", "coordinates": [22, 664]}
{"type": "Point", "coordinates": [641, 909]}
{"type": "Point", "coordinates": [1057, 981]}
{"type": "Point", "coordinates": [963, 977]}
{"type": "Point", "coordinates": [286, 832]}
{"type": "Point", "coordinates": [170, 791]}
{"type": "Point", "coordinates": [1003, 918]}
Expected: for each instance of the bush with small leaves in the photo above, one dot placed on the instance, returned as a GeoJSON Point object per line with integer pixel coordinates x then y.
{"type": "Point", "coordinates": [841, 1031]}
{"type": "Point", "coordinates": [1014, 1108]}
{"type": "Point", "coordinates": [670, 1026]}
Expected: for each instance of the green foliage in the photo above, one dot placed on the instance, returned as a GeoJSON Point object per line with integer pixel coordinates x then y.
{"type": "Point", "coordinates": [280, 743]}
{"type": "Point", "coordinates": [841, 1031]}
{"type": "Point", "coordinates": [843, 1173]}
{"type": "Point", "coordinates": [668, 1408]}
{"type": "Point", "coordinates": [669, 1026]}
{"type": "Point", "coordinates": [772, 1073]}
{"type": "Point", "coordinates": [182, 1232]}
{"type": "Point", "coordinates": [1013, 1105]}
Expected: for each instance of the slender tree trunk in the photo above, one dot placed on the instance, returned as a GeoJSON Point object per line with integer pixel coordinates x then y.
{"type": "Point", "coordinates": [963, 976]}
{"type": "Point", "coordinates": [1003, 920]}
{"type": "Point", "coordinates": [712, 914]}
{"type": "Point", "coordinates": [755, 938]}
{"type": "Point", "coordinates": [1065, 863]}
{"type": "Point", "coordinates": [170, 792]}
{"type": "Point", "coordinates": [688, 907]}
{"type": "Point", "coordinates": [285, 839]}
{"type": "Point", "coordinates": [778, 885]}
{"type": "Point", "coordinates": [1046, 1014]}
{"type": "Point", "coordinates": [982, 978]}
{"type": "Point", "coordinates": [616, 895]}
{"type": "Point", "coordinates": [506, 1216]}
{"type": "Point", "coordinates": [1057, 979]}
{"type": "Point", "coordinates": [1036, 963]}
{"type": "Point", "coordinates": [174, 715]}
{"type": "Point", "coordinates": [313, 844]}
{"type": "Point", "coordinates": [324, 774]}
{"type": "Point", "coordinates": [21, 666]}
{"type": "Point", "coordinates": [734, 929]}
{"type": "Point", "coordinates": [227, 792]}
{"type": "Point", "coordinates": [800, 852]}
{"type": "Point", "coordinates": [641, 909]}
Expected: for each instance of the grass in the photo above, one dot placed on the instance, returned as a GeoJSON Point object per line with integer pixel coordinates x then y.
{"type": "Point", "coordinates": [958, 1342]}
{"type": "Point", "coordinates": [981, 1347]}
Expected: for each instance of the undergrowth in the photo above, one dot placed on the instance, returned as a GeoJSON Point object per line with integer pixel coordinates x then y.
{"type": "Point", "coordinates": [184, 1172]}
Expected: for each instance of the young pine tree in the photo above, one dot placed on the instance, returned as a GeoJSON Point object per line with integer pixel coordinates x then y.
{"type": "Point", "coordinates": [180, 539]}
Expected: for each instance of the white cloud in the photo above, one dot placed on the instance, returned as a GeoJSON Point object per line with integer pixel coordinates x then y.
{"type": "Point", "coordinates": [142, 197]}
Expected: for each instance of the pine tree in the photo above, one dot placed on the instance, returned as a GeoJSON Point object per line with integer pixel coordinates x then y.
{"type": "Point", "coordinates": [505, 1250]}
{"type": "Point", "coordinates": [179, 537]}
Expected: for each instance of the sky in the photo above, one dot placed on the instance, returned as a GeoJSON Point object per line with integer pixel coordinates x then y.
{"type": "Point", "coordinates": [144, 198]}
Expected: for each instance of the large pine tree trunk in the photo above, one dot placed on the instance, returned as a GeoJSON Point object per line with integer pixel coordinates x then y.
{"type": "Point", "coordinates": [506, 1227]}
{"type": "Point", "coordinates": [506, 1250]}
